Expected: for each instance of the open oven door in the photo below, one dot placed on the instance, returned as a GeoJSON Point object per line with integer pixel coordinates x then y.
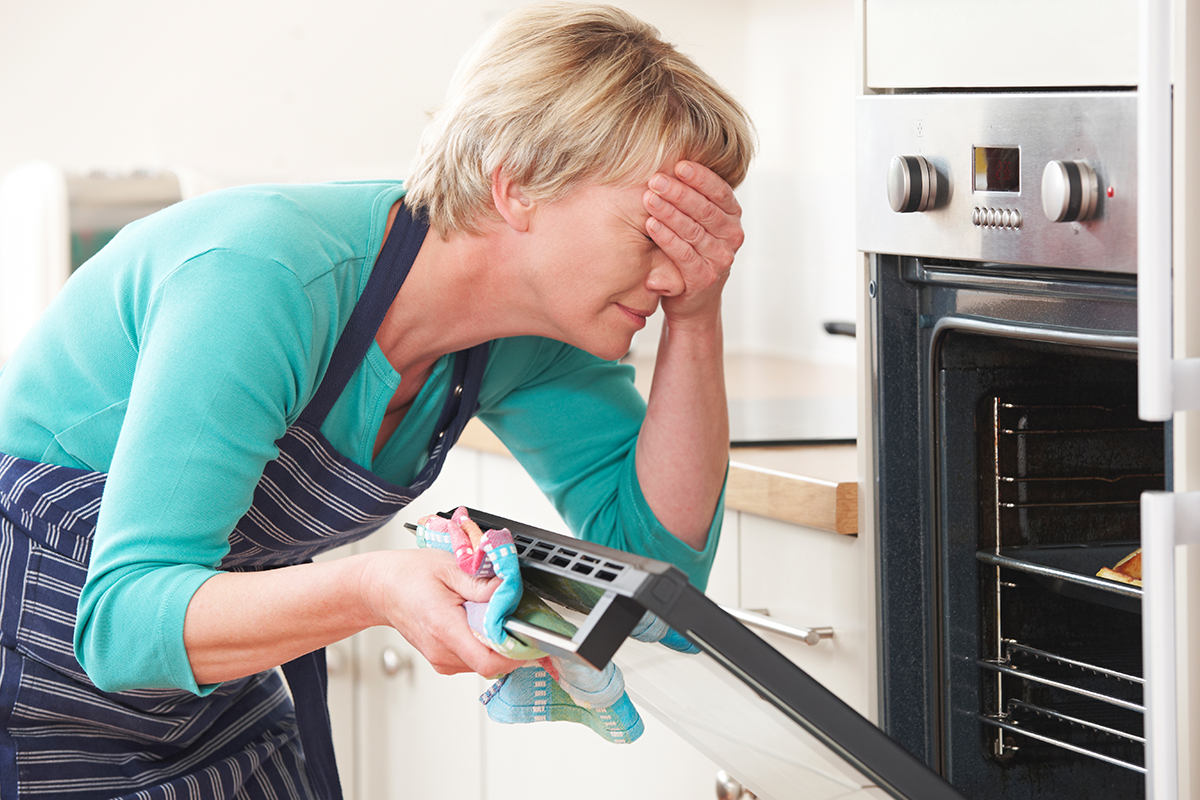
{"type": "Point", "coordinates": [739, 701]}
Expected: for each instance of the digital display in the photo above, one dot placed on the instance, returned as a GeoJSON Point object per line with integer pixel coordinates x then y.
{"type": "Point", "coordinates": [997, 169]}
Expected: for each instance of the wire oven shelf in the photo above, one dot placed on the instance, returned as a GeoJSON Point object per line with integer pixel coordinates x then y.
{"type": "Point", "coordinates": [1070, 570]}
{"type": "Point", "coordinates": [1083, 707]}
{"type": "Point", "coordinates": [1013, 723]}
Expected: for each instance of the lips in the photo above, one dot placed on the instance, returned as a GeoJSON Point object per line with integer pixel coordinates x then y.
{"type": "Point", "coordinates": [638, 317]}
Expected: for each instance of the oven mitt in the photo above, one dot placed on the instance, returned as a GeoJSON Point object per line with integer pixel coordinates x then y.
{"type": "Point", "coordinates": [483, 555]}
{"type": "Point", "coordinates": [552, 688]}
{"type": "Point", "coordinates": [557, 689]}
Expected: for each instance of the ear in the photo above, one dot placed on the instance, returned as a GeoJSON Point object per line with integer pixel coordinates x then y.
{"type": "Point", "coordinates": [510, 201]}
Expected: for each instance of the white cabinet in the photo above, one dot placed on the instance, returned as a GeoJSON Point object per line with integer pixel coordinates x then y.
{"type": "Point", "coordinates": [812, 578]}
{"type": "Point", "coordinates": [401, 730]}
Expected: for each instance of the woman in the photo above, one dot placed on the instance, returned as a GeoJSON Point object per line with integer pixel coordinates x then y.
{"type": "Point", "coordinates": [255, 376]}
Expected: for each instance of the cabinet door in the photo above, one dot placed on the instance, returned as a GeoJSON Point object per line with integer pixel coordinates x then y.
{"type": "Point", "coordinates": [418, 733]}
{"type": "Point", "coordinates": [968, 37]}
{"type": "Point", "coordinates": [813, 578]}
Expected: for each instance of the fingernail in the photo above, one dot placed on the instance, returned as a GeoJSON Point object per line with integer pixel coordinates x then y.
{"type": "Point", "coordinates": [654, 201]}
{"type": "Point", "coordinates": [684, 170]}
{"type": "Point", "coordinates": [659, 183]}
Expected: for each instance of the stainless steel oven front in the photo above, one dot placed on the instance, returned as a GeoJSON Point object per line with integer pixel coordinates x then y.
{"type": "Point", "coordinates": [1009, 457]}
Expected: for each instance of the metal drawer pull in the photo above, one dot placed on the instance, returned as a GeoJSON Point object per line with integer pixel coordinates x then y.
{"type": "Point", "coordinates": [337, 663]}
{"type": "Point", "coordinates": [729, 788]}
{"type": "Point", "coordinates": [394, 662]}
{"type": "Point", "coordinates": [810, 636]}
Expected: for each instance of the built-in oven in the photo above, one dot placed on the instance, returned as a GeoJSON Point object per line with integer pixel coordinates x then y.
{"type": "Point", "coordinates": [1009, 457]}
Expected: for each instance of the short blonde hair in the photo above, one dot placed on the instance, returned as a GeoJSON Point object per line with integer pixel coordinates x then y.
{"type": "Point", "coordinates": [558, 94]}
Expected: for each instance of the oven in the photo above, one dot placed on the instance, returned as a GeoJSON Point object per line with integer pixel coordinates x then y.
{"type": "Point", "coordinates": [1009, 457]}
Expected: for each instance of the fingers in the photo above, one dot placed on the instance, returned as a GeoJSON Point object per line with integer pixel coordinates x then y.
{"type": "Point", "coordinates": [709, 184]}
{"type": "Point", "coordinates": [423, 592]}
{"type": "Point", "coordinates": [694, 216]}
{"type": "Point", "coordinates": [454, 649]}
{"type": "Point", "coordinates": [701, 194]}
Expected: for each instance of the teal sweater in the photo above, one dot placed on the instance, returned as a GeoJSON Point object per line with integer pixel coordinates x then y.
{"type": "Point", "coordinates": [177, 356]}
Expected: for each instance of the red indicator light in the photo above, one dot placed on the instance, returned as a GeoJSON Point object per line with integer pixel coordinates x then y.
{"type": "Point", "coordinates": [1110, 192]}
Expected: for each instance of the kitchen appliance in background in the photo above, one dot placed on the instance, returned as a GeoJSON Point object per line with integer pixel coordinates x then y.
{"type": "Point", "coordinates": [1009, 459]}
{"type": "Point", "coordinates": [51, 221]}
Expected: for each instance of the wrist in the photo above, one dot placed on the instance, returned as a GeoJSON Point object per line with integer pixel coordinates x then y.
{"type": "Point", "coordinates": [371, 582]}
{"type": "Point", "coordinates": [701, 334]}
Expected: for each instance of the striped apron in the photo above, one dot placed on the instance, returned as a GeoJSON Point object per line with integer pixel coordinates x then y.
{"type": "Point", "coordinates": [63, 738]}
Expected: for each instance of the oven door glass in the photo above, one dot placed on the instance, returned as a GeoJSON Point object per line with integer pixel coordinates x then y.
{"type": "Point", "coordinates": [716, 711]}
{"type": "Point", "coordinates": [739, 701]}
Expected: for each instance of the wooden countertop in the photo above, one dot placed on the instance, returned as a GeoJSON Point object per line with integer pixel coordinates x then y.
{"type": "Point", "coordinates": [814, 486]}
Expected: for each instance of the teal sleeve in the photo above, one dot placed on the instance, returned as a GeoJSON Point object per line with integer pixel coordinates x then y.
{"type": "Point", "coordinates": [219, 375]}
{"type": "Point", "coordinates": [572, 421]}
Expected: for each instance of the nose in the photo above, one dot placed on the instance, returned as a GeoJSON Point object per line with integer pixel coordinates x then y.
{"type": "Point", "coordinates": [665, 278]}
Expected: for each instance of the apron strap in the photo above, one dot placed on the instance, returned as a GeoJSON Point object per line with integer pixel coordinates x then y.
{"type": "Point", "coordinates": [309, 682]}
{"type": "Point", "coordinates": [391, 268]}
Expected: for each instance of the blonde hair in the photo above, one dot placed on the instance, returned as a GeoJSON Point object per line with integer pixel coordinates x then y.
{"type": "Point", "coordinates": [558, 94]}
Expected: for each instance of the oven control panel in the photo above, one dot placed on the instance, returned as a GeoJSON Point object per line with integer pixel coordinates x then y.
{"type": "Point", "coordinates": [1039, 179]}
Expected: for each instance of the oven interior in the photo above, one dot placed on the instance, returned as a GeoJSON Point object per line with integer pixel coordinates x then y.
{"type": "Point", "coordinates": [1042, 659]}
{"type": "Point", "coordinates": [1009, 463]}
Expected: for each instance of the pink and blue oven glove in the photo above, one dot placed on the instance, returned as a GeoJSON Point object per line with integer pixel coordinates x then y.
{"type": "Point", "coordinates": [551, 688]}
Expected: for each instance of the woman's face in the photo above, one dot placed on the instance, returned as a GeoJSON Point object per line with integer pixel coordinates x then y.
{"type": "Point", "coordinates": [598, 275]}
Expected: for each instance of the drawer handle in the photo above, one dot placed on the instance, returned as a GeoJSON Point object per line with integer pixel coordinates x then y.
{"type": "Point", "coordinates": [394, 662]}
{"type": "Point", "coordinates": [810, 636]}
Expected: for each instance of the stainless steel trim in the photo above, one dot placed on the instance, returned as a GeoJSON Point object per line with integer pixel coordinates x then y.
{"type": "Point", "coordinates": [553, 643]}
{"type": "Point", "coordinates": [1040, 286]}
{"type": "Point", "coordinates": [1098, 128]}
{"type": "Point", "coordinates": [810, 636]}
{"type": "Point", "coordinates": [1033, 333]}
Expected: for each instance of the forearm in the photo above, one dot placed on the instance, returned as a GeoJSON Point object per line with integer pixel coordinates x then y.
{"type": "Point", "coordinates": [683, 447]}
{"type": "Point", "coordinates": [240, 623]}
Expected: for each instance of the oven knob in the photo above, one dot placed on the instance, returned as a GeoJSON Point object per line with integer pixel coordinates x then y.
{"type": "Point", "coordinates": [912, 184]}
{"type": "Point", "coordinates": [1070, 191]}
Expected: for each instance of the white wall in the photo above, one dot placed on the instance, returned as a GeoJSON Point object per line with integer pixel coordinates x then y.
{"type": "Point", "coordinates": [246, 90]}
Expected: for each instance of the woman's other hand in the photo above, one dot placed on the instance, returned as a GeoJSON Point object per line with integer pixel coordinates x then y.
{"type": "Point", "coordinates": [683, 447]}
{"type": "Point", "coordinates": [696, 221]}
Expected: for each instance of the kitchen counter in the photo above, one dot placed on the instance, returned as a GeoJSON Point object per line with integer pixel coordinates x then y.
{"type": "Point", "coordinates": [815, 486]}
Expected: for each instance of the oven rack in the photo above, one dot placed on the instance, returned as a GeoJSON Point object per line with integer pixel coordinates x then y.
{"type": "Point", "coordinates": [1068, 473]}
{"type": "Point", "coordinates": [1095, 715]}
{"type": "Point", "coordinates": [1004, 668]}
{"type": "Point", "coordinates": [1013, 722]}
{"type": "Point", "coordinates": [1071, 570]}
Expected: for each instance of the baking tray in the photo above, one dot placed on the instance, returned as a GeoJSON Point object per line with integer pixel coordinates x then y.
{"type": "Point", "coordinates": [1070, 570]}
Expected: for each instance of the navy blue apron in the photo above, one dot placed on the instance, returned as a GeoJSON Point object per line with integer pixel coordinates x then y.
{"type": "Point", "coordinates": [70, 741]}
